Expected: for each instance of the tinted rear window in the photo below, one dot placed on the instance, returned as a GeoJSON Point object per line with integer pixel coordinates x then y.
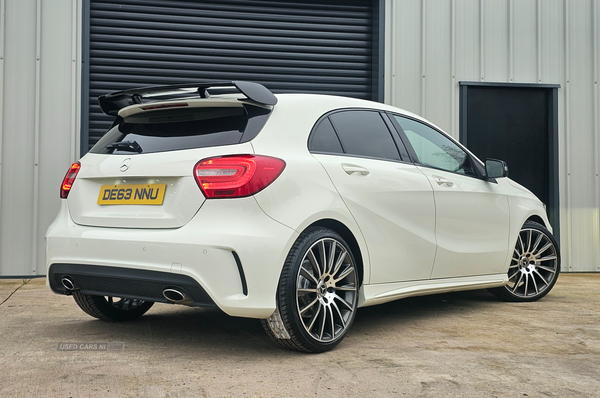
{"type": "Point", "coordinates": [174, 130]}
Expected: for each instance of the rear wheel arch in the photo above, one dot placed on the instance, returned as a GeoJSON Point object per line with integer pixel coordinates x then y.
{"type": "Point", "coordinates": [348, 236]}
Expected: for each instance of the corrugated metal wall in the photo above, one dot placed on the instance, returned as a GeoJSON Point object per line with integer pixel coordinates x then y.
{"type": "Point", "coordinates": [39, 112]}
{"type": "Point", "coordinates": [431, 45]}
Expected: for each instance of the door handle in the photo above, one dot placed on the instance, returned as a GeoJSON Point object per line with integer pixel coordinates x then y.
{"type": "Point", "coordinates": [443, 182]}
{"type": "Point", "coordinates": [352, 169]}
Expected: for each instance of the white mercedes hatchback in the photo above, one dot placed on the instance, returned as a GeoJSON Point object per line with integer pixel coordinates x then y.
{"type": "Point", "coordinates": [295, 209]}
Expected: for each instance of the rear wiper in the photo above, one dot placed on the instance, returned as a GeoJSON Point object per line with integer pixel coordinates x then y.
{"type": "Point", "coordinates": [128, 146]}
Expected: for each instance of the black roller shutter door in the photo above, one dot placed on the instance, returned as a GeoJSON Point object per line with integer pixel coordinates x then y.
{"type": "Point", "coordinates": [326, 46]}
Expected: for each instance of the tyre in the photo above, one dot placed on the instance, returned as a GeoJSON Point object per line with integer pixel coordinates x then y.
{"type": "Point", "coordinates": [111, 308]}
{"type": "Point", "coordinates": [317, 294]}
{"type": "Point", "coordinates": [534, 267]}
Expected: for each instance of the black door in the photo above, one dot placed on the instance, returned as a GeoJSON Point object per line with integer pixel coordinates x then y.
{"type": "Point", "coordinates": [517, 123]}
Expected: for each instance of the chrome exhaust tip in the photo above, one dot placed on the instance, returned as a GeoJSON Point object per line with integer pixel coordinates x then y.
{"type": "Point", "coordinates": [68, 283]}
{"type": "Point", "coordinates": [176, 296]}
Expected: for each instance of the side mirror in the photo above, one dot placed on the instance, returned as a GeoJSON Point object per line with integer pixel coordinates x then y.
{"type": "Point", "coordinates": [496, 168]}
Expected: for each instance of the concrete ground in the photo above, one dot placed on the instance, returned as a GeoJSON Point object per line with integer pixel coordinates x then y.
{"type": "Point", "coordinates": [464, 344]}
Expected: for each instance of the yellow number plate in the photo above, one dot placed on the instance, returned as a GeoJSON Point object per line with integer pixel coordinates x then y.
{"type": "Point", "coordinates": [134, 194]}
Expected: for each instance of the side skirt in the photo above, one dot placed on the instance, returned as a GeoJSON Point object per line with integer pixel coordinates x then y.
{"type": "Point", "coordinates": [385, 292]}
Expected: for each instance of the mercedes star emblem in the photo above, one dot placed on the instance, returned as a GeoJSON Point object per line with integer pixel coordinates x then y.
{"type": "Point", "coordinates": [125, 165]}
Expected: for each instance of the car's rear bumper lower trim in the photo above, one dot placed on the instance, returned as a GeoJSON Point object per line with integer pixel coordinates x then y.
{"type": "Point", "coordinates": [126, 282]}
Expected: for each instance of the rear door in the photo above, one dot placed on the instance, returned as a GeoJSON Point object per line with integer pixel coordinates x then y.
{"type": "Point", "coordinates": [472, 214]}
{"type": "Point", "coordinates": [390, 199]}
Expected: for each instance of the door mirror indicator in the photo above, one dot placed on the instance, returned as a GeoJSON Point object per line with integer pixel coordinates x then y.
{"type": "Point", "coordinates": [496, 168]}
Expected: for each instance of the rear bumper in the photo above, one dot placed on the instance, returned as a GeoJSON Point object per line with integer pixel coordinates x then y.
{"type": "Point", "coordinates": [231, 251]}
{"type": "Point", "coordinates": [125, 282]}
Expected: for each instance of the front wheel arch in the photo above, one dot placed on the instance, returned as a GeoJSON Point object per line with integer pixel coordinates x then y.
{"type": "Point", "coordinates": [537, 219]}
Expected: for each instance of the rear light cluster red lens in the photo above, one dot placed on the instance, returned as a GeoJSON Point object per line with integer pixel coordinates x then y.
{"type": "Point", "coordinates": [67, 183]}
{"type": "Point", "coordinates": [236, 176]}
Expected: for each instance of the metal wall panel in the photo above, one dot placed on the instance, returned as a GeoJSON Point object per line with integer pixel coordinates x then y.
{"type": "Point", "coordinates": [3, 32]}
{"type": "Point", "coordinates": [466, 41]}
{"type": "Point", "coordinates": [437, 46]}
{"type": "Point", "coordinates": [403, 63]}
{"type": "Point", "coordinates": [38, 64]}
{"type": "Point", "coordinates": [466, 50]}
{"type": "Point", "coordinates": [495, 34]}
{"type": "Point", "coordinates": [523, 65]}
{"type": "Point", "coordinates": [581, 179]}
{"type": "Point", "coordinates": [18, 137]}
{"type": "Point", "coordinates": [303, 46]}
{"type": "Point", "coordinates": [59, 108]}
{"type": "Point", "coordinates": [431, 45]}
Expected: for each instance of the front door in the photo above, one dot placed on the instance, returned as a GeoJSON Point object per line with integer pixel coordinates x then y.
{"type": "Point", "coordinates": [472, 214]}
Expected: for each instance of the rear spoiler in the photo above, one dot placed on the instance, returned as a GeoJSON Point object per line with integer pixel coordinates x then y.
{"type": "Point", "coordinates": [112, 103]}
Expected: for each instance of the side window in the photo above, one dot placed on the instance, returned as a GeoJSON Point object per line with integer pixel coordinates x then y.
{"type": "Point", "coordinates": [324, 139]}
{"type": "Point", "coordinates": [364, 133]}
{"type": "Point", "coordinates": [434, 149]}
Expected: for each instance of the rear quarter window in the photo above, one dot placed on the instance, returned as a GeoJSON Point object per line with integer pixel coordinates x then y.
{"type": "Point", "coordinates": [364, 133]}
{"type": "Point", "coordinates": [324, 139]}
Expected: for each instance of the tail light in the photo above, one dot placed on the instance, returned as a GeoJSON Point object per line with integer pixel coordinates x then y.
{"type": "Point", "coordinates": [67, 183]}
{"type": "Point", "coordinates": [236, 176]}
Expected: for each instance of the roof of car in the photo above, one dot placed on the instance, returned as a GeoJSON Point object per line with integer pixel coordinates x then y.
{"type": "Point", "coordinates": [332, 102]}
{"type": "Point", "coordinates": [294, 101]}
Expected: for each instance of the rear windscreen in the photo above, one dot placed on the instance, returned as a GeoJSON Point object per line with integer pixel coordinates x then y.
{"type": "Point", "coordinates": [163, 131]}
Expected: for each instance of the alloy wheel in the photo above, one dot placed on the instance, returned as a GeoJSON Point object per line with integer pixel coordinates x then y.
{"type": "Point", "coordinates": [326, 290]}
{"type": "Point", "coordinates": [534, 264]}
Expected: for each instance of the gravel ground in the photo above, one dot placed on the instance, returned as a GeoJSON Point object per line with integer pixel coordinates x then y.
{"type": "Point", "coordinates": [464, 344]}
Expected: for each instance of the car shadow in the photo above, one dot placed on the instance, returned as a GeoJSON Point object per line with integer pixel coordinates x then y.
{"type": "Point", "coordinates": [412, 309]}
{"type": "Point", "coordinates": [197, 331]}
